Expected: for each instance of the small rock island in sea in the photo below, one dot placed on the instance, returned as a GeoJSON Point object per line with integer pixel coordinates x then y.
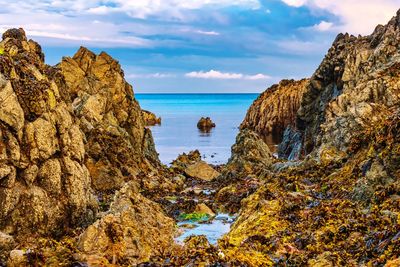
{"type": "Point", "coordinates": [205, 124]}
{"type": "Point", "coordinates": [81, 183]}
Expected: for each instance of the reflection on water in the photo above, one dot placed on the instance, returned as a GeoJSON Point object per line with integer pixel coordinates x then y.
{"type": "Point", "coordinates": [205, 133]}
{"type": "Point", "coordinates": [180, 114]}
{"type": "Point", "coordinates": [213, 230]}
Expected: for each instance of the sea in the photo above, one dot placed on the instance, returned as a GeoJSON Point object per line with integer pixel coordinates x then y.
{"type": "Point", "coordinates": [180, 113]}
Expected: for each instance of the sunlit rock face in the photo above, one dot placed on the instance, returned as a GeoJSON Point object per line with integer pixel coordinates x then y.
{"type": "Point", "coordinates": [275, 110]}
{"type": "Point", "coordinates": [327, 208]}
{"type": "Point", "coordinates": [69, 136]}
{"type": "Point", "coordinates": [352, 88]}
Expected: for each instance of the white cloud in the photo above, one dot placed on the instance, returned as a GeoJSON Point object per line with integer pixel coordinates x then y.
{"type": "Point", "coordinates": [323, 26]}
{"type": "Point", "coordinates": [102, 23]}
{"type": "Point", "coordinates": [134, 8]}
{"type": "Point", "coordinates": [295, 3]}
{"type": "Point", "coordinates": [208, 32]}
{"type": "Point", "coordinates": [257, 77]}
{"type": "Point", "coordinates": [356, 17]}
{"type": "Point", "coordinates": [213, 74]}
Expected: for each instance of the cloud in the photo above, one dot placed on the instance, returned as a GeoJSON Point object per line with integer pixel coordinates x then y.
{"type": "Point", "coordinates": [323, 26]}
{"type": "Point", "coordinates": [208, 32]}
{"type": "Point", "coordinates": [295, 3]}
{"type": "Point", "coordinates": [355, 16]}
{"type": "Point", "coordinates": [213, 74]}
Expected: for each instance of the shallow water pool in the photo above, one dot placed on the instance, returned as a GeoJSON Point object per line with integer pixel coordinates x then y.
{"type": "Point", "coordinates": [213, 230]}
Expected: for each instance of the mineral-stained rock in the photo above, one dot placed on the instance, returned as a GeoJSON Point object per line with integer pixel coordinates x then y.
{"type": "Point", "coordinates": [275, 109]}
{"type": "Point", "coordinates": [118, 146]}
{"type": "Point", "coordinates": [11, 112]}
{"type": "Point", "coordinates": [201, 170]}
{"type": "Point", "coordinates": [339, 205]}
{"type": "Point", "coordinates": [150, 119]}
{"type": "Point", "coordinates": [134, 231]}
{"type": "Point", "coordinates": [248, 151]}
{"type": "Point", "coordinates": [66, 133]}
{"type": "Point", "coordinates": [38, 131]}
{"type": "Point", "coordinates": [352, 88]}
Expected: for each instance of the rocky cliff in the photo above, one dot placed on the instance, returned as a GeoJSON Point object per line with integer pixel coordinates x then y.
{"type": "Point", "coordinates": [339, 205]}
{"type": "Point", "coordinates": [275, 110]}
{"type": "Point", "coordinates": [353, 87]}
{"type": "Point", "coordinates": [70, 136]}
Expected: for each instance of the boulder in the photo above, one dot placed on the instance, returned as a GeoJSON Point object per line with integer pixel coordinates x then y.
{"type": "Point", "coordinates": [204, 209]}
{"type": "Point", "coordinates": [134, 230]}
{"type": "Point", "coordinates": [201, 170]}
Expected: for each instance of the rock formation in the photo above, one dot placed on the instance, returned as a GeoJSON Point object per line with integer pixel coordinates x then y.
{"type": "Point", "coordinates": [70, 136]}
{"type": "Point", "coordinates": [275, 110]}
{"type": "Point", "coordinates": [205, 124]}
{"type": "Point", "coordinates": [339, 205]}
{"type": "Point", "coordinates": [150, 119]}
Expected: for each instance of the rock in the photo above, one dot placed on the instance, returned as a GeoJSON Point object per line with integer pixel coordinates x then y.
{"type": "Point", "coordinates": [275, 110]}
{"type": "Point", "coordinates": [205, 124]}
{"type": "Point", "coordinates": [291, 145]}
{"type": "Point", "coordinates": [11, 112]}
{"type": "Point", "coordinates": [150, 119]}
{"type": "Point", "coordinates": [17, 258]}
{"type": "Point", "coordinates": [67, 132]}
{"type": "Point", "coordinates": [201, 170]}
{"type": "Point", "coordinates": [6, 242]}
{"type": "Point", "coordinates": [41, 137]}
{"type": "Point", "coordinates": [248, 152]}
{"type": "Point", "coordinates": [346, 129]}
{"type": "Point", "coordinates": [134, 230]}
{"type": "Point", "coordinates": [204, 209]}
{"type": "Point", "coordinates": [50, 176]}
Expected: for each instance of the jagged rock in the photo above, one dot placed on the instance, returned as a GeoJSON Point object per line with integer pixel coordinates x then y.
{"type": "Point", "coordinates": [201, 170]}
{"type": "Point", "coordinates": [134, 230]}
{"type": "Point", "coordinates": [150, 119]}
{"type": "Point", "coordinates": [205, 124]}
{"type": "Point", "coordinates": [352, 88]}
{"type": "Point", "coordinates": [37, 129]}
{"type": "Point", "coordinates": [291, 145]}
{"type": "Point", "coordinates": [66, 133]}
{"type": "Point", "coordinates": [118, 146]}
{"type": "Point", "coordinates": [326, 208]}
{"type": "Point", "coordinates": [275, 110]}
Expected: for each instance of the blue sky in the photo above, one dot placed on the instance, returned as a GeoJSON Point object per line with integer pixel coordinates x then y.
{"type": "Point", "coordinates": [197, 45]}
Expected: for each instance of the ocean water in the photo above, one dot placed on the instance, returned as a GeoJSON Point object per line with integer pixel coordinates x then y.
{"type": "Point", "coordinates": [180, 113]}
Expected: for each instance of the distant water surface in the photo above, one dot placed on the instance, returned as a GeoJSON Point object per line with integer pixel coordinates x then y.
{"type": "Point", "coordinates": [180, 114]}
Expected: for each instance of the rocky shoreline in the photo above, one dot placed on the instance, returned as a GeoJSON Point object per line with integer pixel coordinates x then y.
{"type": "Point", "coordinates": [81, 183]}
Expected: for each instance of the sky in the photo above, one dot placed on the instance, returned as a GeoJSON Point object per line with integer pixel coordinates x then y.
{"type": "Point", "coordinates": [197, 46]}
